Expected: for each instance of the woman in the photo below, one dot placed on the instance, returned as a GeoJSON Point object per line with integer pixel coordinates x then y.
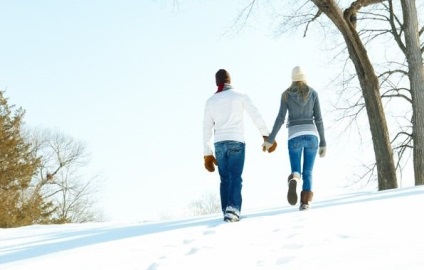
{"type": "Point", "coordinates": [305, 125]}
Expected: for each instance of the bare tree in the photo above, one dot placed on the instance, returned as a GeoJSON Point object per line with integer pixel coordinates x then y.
{"type": "Point", "coordinates": [207, 204]}
{"type": "Point", "coordinates": [376, 26]}
{"type": "Point", "coordinates": [307, 12]}
{"type": "Point", "coordinates": [61, 179]}
{"type": "Point", "coordinates": [346, 24]}
{"type": "Point", "coordinates": [396, 77]}
{"type": "Point", "coordinates": [416, 77]}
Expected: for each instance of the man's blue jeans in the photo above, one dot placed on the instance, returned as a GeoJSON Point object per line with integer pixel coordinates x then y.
{"type": "Point", "coordinates": [230, 156]}
{"type": "Point", "coordinates": [308, 146]}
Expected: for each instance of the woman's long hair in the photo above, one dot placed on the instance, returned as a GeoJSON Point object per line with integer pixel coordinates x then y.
{"type": "Point", "coordinates": [300, 87]}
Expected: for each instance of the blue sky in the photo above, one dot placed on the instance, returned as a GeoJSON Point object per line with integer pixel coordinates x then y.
{"type": "Point", "coordinates": [130, 79]}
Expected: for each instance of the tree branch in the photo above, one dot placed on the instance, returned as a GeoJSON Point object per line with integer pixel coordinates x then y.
{"type": "Point", "coordinates": [319, 12]}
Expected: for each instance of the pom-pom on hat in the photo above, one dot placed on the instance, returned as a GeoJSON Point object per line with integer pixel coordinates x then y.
{"type": "Point", "coordinates": [298, 74]}
{"type": "Point", "coordinates": [222, 76]}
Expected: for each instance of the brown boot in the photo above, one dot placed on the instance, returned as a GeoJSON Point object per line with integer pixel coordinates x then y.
{"type": "Point", "coordinates": [305, 200]}
{"type": "Point", "coordinates": [292, 193]}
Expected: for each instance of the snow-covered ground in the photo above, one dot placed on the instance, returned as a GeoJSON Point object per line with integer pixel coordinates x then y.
{"type": "Point", "coordinates": [378, 230]}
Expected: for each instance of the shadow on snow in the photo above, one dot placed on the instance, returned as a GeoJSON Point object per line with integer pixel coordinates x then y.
{"type": "Point", "coordinates": [91, 236]}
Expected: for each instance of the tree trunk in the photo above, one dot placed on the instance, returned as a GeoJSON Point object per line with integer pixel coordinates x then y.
{"type": "Point", "coordinates": [370, 89]}
{"type": "Point", "coordinates": [416, 78]}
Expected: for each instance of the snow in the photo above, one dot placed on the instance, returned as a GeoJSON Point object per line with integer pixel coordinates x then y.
{"type": "Point", "coordinates": [368, 230]}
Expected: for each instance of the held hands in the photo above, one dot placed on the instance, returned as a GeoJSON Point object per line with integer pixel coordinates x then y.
{"type": "Point", "coordinates": [266, 146]}
{"type": "Point", "coordinates": [209, 163]}
{"type": "Point", "coordinates": [321, 151]}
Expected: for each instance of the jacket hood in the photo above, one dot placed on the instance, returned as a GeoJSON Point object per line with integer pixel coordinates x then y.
{"type": "Point", "coordinates": [293, 94]}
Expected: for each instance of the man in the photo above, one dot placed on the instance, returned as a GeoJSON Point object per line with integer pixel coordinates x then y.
{"type": "Point", "coordinates": [223, 119]}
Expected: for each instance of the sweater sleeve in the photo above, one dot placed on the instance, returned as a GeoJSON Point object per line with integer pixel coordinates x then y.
{"type": "Point", "coordinates": [208, 124]}
{"type": "Point", "coordinates": [279, 121]}
{"type": "Point", "coordinates": [256, 117]}
{"type": "Point", "coordinates": [319, 122]}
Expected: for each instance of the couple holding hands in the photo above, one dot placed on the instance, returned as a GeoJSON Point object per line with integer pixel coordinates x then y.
{"type": "Point", "coordinates": [224, 121]}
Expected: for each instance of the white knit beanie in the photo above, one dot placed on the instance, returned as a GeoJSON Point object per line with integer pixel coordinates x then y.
{"type": "Point", "coordinates": [298, 74]}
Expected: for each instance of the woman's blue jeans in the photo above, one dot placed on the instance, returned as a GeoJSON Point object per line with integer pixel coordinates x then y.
{"type": "Point", "coordinates": [230, 156]}
{"type": "Point", "coordinates": [308, 146]}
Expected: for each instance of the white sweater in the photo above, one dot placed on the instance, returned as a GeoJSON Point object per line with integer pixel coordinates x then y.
{"type": "Point", "coordinates": [224, 114]}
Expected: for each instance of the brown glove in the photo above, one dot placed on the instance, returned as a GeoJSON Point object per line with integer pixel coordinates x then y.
{"type": "Point", "coordinates": [209, 163]}
{"type": "Point", "coordinates": [273, 147]}
{"type": "Point", "coordinates": [266, 146]}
